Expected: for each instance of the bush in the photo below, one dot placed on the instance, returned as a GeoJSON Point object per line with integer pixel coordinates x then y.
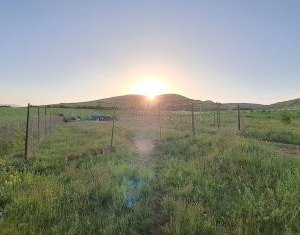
{"type": "Point", "coordinates": [285, 117]}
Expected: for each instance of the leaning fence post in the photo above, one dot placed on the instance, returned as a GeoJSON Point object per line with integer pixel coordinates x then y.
{"type": "Point", "coordinates": [112, 129]}
{"type": "Point", "coordinates": [26, 136]}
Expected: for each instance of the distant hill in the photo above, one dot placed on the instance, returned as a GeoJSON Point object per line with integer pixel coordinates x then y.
{"type": "Point", "coordinates": [125, 101]}
{"type": "Point", "coordinates": [286, 104]}
{"type": "Point", "coordinates": [166, 101]}
{"type": "Point", "coordinates": [294, 104]}
{"type": "Point", "coordinates": [9, 105]}
{"type": "Point", "coordinates": [172, 102]}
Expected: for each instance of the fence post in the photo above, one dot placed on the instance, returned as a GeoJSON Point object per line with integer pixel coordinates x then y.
{"type": "Point", "coordinates": [199, 117]}
{"type": "Point", "coordinates": [193, 120]}
{"type": "Point", "coordinates": [38, 123]}
{"type": "Point", "coordinates": [219, 125]}
{"type": "Point", "coordinates": [159, 123]}
{"type": "Point", "coordinates": [239, 118]}
{"type": "Point", "coordinates": [180, 116]}
{"type": "Point", "coordinates": [26, 136]}
{"type": "Point", "coordinates": [214, 118]}
{"type": "Point", "coordinates": [218, 116]}
{"type": "Point", "coordinates": [50, 122]}
{"type": "Point", "coordinates": [45, 121]}
{"type": "Point", "coordinates": [112, 129]}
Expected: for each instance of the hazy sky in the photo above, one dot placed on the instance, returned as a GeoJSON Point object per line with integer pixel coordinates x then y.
{"type": "Point", "coordinates": [229, 51]}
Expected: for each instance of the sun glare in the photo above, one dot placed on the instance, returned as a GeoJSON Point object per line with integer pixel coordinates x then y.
{"type": "Point", "coordinates": [150, 86]}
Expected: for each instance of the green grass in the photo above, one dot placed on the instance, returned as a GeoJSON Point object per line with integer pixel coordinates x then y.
{"type": "Point", "coordinates": [268, 126]}
{"type": "Point", "coordinates": [13, 125]}
{"type": "Point", "coordinates": [228, 185]}
{"type": "Point", "coordinates": [220, 182]}
{"type": "Point", "coordinates": [70, 187]}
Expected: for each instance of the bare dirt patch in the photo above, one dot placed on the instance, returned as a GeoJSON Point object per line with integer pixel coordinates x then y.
{"type": "Point", "coordinates": [288, 148]}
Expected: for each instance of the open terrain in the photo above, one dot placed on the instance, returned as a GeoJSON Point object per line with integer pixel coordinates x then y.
{"type": "Point", "coordinates": [175, 101]}
{"type": "Point", "coordinates": [156, 179]}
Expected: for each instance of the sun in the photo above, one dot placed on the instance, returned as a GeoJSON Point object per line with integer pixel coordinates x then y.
{"type": "Point", "coordinates": [150, 86]}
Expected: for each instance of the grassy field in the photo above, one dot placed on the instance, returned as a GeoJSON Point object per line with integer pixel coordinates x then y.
{"type": "Point", "coordinates": [74, 186]}
{"type": "Point", "coordinates": [266, 125]}
{"type": "Point", "coordinates": [229, 185]}
{"type": "Point", "coordinates": [220, 182]}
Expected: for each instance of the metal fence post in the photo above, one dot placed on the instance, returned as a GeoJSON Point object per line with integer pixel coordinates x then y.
{"type": "Point", "coordinates": [26, 136]}
{"type": "Point", "coordinates": [193, 120]}
{"type": "Point", "coordinates": [239, 118]}
{"type": "Point", "coordinates": [112, 129]}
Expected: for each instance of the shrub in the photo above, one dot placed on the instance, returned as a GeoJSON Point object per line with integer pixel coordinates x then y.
{"type": "Point", "coordinates": [285, 117]}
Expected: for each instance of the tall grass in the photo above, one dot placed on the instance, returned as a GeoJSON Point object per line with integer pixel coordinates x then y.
{"type": "Point", "coordinates": [221, 185]}
{"type": "Point", "coordinates": [215, 183]}
{"type": "Point", "coordinates": [71, 186]}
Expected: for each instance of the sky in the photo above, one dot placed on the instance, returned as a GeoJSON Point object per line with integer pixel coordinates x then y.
{"type": "Point", "coordinates": [54, 51]}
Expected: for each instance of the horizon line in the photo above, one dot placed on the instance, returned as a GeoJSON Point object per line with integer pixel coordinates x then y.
{"type": "Point", "coordinates": [111, 97]}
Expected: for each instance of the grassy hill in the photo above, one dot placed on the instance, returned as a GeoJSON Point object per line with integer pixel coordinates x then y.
{"type": "Point", "coordinates": [290, 104]}
{"type": "Point", "coordinates": [287, 104]}
{"type": "Point", "coordinates": [166, 101]}
{"type": "Point", "coordinates": [173, 102]}
{"type": "Point", "coordinates": [125, 101]}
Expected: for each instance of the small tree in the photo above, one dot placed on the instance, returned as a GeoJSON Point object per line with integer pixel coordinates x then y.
{"type": "Point", "coordinates": [285, 117]}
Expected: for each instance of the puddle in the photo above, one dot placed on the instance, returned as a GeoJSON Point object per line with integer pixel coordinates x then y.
{"type": "Point", "coordinates": [134, 193]}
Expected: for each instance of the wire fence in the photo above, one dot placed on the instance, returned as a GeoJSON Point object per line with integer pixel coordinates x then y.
{"type": "Point", "coordinates": [23, 136]}
{"type": "Point", "coordinates": [184, 120]}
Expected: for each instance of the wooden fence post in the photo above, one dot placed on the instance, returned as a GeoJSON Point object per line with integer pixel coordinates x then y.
{"type": "Point", "coordinates": [26, 135]}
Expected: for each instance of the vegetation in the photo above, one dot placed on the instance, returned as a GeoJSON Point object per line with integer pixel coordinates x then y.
{"type": "Point", "coordinates": [220, 182]}
{"type": "Point", "coordinates": [175, 100]}
{"type": "Point", "coordinates": [268, 126]}
{"type": "Point", "coordinates": [72, 187]}
{"type": "Point", "coordinates": [286, 117]}
{"type": "Point", "coordinates": [228, 185]}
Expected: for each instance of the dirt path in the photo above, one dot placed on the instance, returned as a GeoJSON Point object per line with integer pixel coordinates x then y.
{"type": "Point", "coordinates": [287, 148]}
{"type": "Point", "coordinates": [148, 150]}
{"type": "Point", "coordinates": [158, 194]}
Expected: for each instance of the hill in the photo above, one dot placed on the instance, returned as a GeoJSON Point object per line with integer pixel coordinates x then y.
{"type": "Point", "coordinates": [172, 102]}
{"type": "Point", "coordinates": [166, 101]}
{"type": "Point", "coordinates": [289, 104]}
{"type": "Point", "coordinates": [286, 104]}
